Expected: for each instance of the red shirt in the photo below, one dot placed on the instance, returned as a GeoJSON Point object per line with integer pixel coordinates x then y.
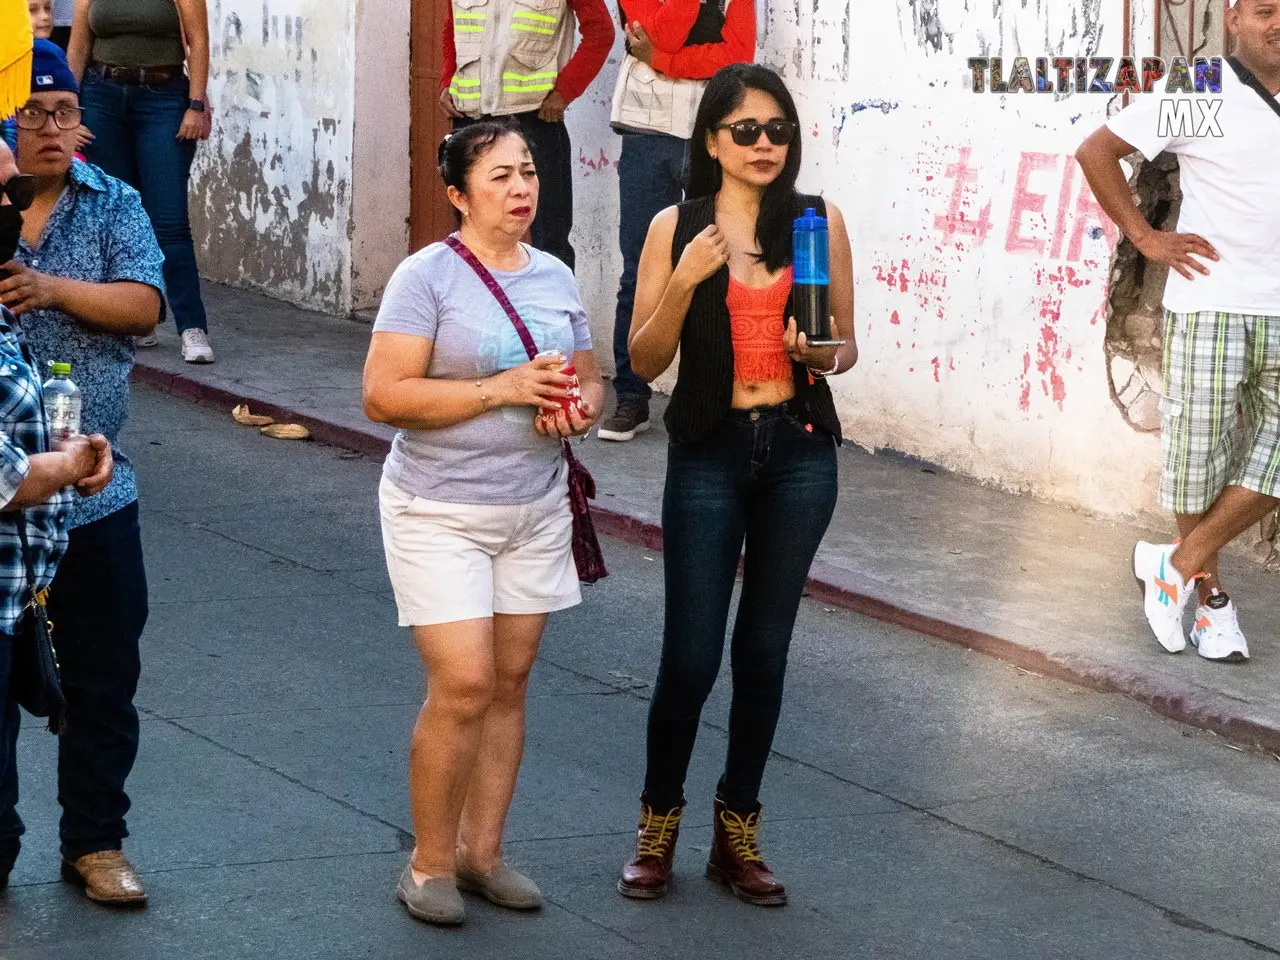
{"type": "Point", "coordinates": [595, 25]}
{"type": "Point", "coordinates": [755, 318]}
{"type": "Point", "coordinates": [668, 24]}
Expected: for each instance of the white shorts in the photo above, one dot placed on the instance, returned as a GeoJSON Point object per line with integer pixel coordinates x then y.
{"type": "Point", "coordinates": [461, 561]}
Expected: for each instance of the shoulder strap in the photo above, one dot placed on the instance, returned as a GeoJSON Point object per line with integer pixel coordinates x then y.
{"type": "Point", "coordinates": [19, 520]}
{"type": "Point", "coordinates": [1249, 80]}
{"type": "Point", "coordinates": [472, 261]}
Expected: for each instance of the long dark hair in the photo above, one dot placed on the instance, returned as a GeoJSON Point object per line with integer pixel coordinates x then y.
{"type": "Point", "coordinates": [724, 94]}
{"type": "Point", "coordinates": [461, 150]}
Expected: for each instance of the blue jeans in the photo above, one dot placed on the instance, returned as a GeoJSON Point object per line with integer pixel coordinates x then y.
{"type": "Point", "coordinates": [98, 603]}
{"type": "Point", "coordinates": [768, 482]}
{"type": "Point", "coordinates": [137, 142]}
{"type": "Point", "coordinates": [651, 175]}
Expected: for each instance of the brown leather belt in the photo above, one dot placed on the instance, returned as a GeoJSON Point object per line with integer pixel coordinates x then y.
{"type": "Point", "coordinates": [139, 76]}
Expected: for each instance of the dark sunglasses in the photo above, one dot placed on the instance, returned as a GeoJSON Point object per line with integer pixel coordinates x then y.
{"type": "Point", "coordinates": [746, 133]}
{"type": "Point", "coordinates": [20, 189]}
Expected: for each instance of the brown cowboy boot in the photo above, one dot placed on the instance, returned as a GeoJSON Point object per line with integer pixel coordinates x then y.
{"type": "Point", "coordinates": [647, 875]}
{"type": "Point", "coordinates": [735, 859]}
{"type": "Point", "coordinates": [107, 877]}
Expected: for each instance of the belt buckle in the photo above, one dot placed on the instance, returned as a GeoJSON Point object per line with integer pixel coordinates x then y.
{"type": "Point", "coordinates": [755, 415]}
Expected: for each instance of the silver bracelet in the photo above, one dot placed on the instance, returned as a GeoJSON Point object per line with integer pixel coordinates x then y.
{"type": "Point", "coordinates": [822, 374]}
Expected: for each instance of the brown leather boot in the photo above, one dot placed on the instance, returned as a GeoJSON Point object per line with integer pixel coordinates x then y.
{"type": "Point", "coordinates": [735, 859]}
{"type": "Point", "coordinates": [647, 875]}
{"type": "Point", "coordinates": [107, 877]}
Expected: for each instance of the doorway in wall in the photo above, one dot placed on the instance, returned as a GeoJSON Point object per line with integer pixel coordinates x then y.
{"type": "Point", "coordinates": [430, 218]}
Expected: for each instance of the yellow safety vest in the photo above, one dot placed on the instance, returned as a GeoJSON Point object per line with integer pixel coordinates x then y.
{"type": "Point", "coordinates": [510, 53]}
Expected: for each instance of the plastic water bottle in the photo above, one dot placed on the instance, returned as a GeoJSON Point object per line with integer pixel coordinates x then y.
{"type": "Point", "coordinates": [811, 281]}
{"type": "Point", "coordinates": [62, 403]}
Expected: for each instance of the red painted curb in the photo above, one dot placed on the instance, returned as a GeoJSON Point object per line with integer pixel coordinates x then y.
{"type": "Point", "coordinates": [827, 584]}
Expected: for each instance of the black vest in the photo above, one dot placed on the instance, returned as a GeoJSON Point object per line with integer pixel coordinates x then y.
{"type": "Point", "coordinates": [704, 387]}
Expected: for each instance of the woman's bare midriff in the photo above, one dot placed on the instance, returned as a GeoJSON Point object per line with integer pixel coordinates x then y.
{"type": "Point", "coordinates": [761, 394]}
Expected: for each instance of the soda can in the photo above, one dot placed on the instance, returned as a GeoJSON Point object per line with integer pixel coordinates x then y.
{"type": "Point", "coordinates": [574, 400]}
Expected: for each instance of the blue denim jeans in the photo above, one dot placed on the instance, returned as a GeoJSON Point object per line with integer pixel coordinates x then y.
{"type": "Point", "coordinates": [651, 175]}
{"type": "Point", "coordinates": [760, 479]}
{"type": "Point", "coordinates": [137, 142]}
{"type": "Point", "coordinates": [98, 603]}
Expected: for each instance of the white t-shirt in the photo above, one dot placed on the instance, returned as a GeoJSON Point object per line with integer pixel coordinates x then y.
{"type": "Point", "coordinates": [1230, 191]}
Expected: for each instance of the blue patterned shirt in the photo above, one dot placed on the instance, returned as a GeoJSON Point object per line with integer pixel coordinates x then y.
{"type": "Point", "coordinates": [9, 132]}
{"type": "Point", "coordinates": [99, 233]}
{"type": "Point", "coordinates": [23, 432]}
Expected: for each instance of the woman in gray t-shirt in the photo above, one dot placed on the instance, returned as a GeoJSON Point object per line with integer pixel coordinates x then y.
{"type": "Point", "coordinates": [475, 506]}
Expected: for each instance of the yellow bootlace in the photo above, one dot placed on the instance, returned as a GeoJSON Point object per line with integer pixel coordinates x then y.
{"type": "Point", "coordinates": [657, 832]}
{"type": "Point", "coordinates": [744, 835]}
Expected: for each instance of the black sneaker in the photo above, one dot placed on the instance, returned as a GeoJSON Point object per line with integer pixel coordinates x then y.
{"type": "Point", "coordinates": [631, 417]}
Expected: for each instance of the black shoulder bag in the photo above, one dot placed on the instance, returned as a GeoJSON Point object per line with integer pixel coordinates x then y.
{"type": "Point", "coordinates": [34, 682]}
{"type": "Point", "coordinates": [1249, 80]}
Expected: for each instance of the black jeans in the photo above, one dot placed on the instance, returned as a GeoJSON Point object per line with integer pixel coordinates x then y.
{"type": "Point", "coordinates": [8, 744]}
{"type": "Point", "coordinates": [553, 156]}
{"type": "Point", "coordinates": [765, 479]}
{"type": "Point", "coordinates": [98, 605]}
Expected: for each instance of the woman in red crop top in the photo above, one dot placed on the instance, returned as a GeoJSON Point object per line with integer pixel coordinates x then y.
{"type": "Point", "coordinates": [752, 459]}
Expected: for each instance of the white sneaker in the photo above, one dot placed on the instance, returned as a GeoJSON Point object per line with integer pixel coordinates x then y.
{"type": "Point", "coordinates": [150, 340]}
{"type": "Point", "coordinates": [1217, 633]}
{"type": "Point", "coordinates": [1165, 595]}
{"type": "Point", "coordinates": [195, 346]}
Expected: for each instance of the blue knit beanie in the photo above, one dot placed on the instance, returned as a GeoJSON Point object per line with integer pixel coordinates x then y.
{"type": "Point", "coordinates": [49, 70]}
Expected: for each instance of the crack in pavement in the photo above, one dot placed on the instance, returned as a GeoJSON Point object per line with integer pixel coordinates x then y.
{"type": "Point", "coordinates": [403, 834]}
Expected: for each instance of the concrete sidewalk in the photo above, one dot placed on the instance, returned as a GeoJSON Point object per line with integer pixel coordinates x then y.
{"type": "Point", "coordinates": [1044, 587]}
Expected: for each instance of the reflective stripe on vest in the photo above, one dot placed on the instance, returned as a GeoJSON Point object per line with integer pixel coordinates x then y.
{"type": "Point", "coordinates": [465, 89]}
{"type": "Point", "coordinates": [527, 22]}
{"type": "Point", "coordinates": [528, 82]}
{"type": "Point", "coordinates": [469, 22]}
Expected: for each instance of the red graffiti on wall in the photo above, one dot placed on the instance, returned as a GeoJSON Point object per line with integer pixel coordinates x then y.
{"type": "Point", "coordinates": [956, 221]}
{"type": "Point", "coordinates": [1029, 208]}
{"type": "Point", "coordinates": [1050, 355]}
{"type": "Point", "coordinates": [1027, 201]}
{"type": "Point", "coordinates": [595, 165]}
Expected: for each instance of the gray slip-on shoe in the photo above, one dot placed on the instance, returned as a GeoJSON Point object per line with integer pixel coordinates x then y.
{"type": "Point", "coordinates": [502, 886]}
{"type": "Point", "coordinates": [435, 900]}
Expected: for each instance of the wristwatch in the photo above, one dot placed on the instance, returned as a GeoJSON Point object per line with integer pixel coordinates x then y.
{"type": "Point", "coordinates": [196, 105]}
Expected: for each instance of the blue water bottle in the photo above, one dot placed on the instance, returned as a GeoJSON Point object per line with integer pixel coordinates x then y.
{"type": "Point", "coordinates": [811, 283]}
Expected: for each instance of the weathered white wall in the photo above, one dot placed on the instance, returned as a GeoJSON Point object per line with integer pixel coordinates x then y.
{"type": "Point", "coordinates": [981, 260]}
{"type": "Point", "coordinates": [271, 190]}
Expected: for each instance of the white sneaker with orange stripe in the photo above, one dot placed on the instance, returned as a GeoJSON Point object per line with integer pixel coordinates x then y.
{"type": "Point", "coordinates": [1217, 634]}
{"type": "Point", "coordinates": [1165, 596]}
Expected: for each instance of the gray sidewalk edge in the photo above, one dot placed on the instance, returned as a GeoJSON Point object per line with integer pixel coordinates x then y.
{"type": "Point", "coordinates": [1187, 704]}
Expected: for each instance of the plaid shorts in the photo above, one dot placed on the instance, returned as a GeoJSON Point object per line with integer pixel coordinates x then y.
{"type": "Point", "coordinates": [1220, 416]}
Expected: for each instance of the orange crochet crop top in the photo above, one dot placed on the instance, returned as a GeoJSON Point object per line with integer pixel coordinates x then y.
{"type": "Point", "coordinates": [756, 320]}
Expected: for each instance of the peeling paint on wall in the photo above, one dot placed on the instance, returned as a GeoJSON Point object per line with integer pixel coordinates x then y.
{"type": "Point", "coordinates": [271, 189]}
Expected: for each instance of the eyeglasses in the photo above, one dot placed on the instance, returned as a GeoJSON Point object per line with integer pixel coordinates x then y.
{"type": "Point", "coordinates": [21, 190]}
{"type": "Point", "coordinates": [746, 133]}
{"type": "Point", "coordinates": [34, 118]}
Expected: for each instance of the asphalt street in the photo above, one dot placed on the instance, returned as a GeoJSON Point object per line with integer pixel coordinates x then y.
{"type": "Point", "coordinates": [923, 801]}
